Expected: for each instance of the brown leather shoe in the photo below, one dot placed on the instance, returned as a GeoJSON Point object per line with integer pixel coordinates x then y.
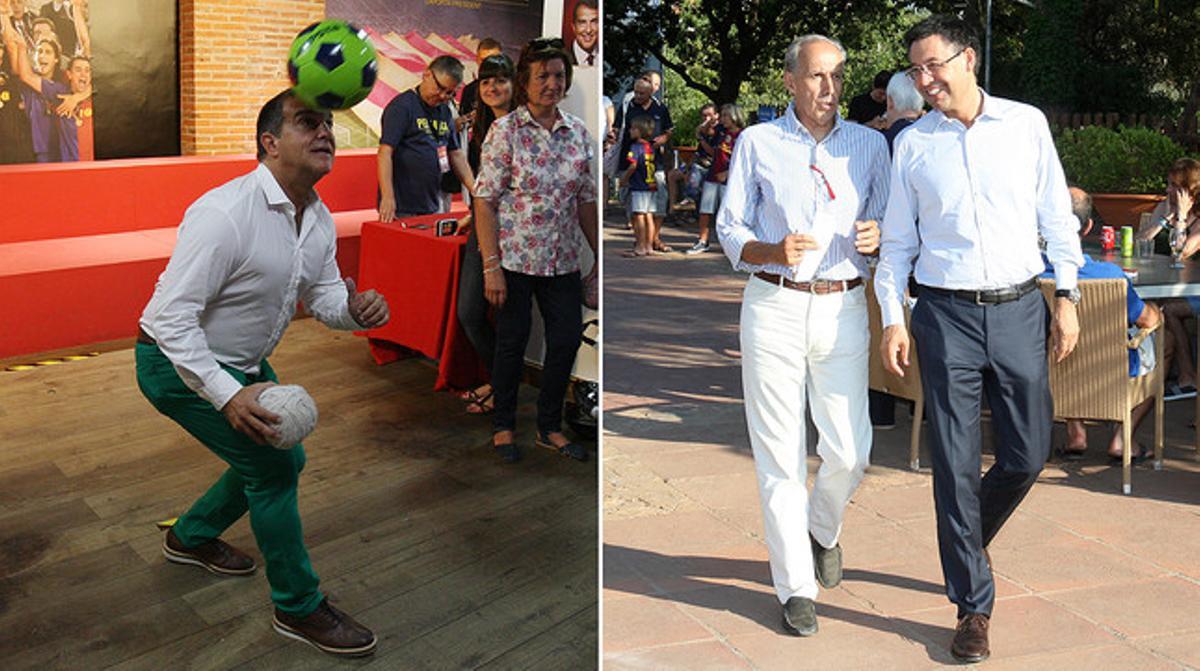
{"type": "Point", "coordinates": [327, 629]}
{"type": "Point", "coordinates": [971, 638]}
{"type": "Point", "coordinates": [216, 555]}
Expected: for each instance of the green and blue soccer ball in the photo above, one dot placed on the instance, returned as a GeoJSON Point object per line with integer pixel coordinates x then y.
{"type": "Point", "coordinates": [332, 65]}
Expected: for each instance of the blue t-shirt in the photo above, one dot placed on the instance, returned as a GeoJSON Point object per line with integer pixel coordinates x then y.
{"type": "Point", "coordinates": [641, 154]}
{"type": "Point", "coordinates": [1134, 305]}
{"type": "Point", "coordinates": [415, 131]}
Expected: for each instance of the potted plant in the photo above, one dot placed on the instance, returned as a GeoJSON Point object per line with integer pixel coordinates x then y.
{"type": "Point", "coordinates": [1124, 170]}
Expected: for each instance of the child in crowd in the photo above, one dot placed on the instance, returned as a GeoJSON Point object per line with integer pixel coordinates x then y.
{"type": "Point", "coordinates": [733, 119]}
{"type": "Point", "coordinates": [639, 175]}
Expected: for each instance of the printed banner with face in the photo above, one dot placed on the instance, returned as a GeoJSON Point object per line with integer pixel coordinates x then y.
{"type": "Point", "coordinates": [45, 82]}
{"type": "Point", "coordinates": [581, 32]}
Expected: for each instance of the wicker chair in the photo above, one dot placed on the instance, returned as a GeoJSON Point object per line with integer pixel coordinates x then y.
{"type": "Point", "coordinates": [1093, 382]}
{"type": "Point", "coordinates": [907, 387]}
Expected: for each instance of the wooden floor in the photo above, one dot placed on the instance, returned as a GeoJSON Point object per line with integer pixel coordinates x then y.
{"type": "Point", "coordinates": [455, 560]}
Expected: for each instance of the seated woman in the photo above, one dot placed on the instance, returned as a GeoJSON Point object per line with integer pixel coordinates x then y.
{"type": "Point", "coordinates": [1179, 208]}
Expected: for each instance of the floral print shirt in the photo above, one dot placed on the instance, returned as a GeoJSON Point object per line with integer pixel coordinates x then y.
{"type": "Point", "coordinates": [537, 180]}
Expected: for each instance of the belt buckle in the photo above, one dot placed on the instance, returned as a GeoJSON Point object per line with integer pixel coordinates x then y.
{"type": "Point", "coordinates": [979, 299]}
{"type": "Point", "coordinates": [819, 287]}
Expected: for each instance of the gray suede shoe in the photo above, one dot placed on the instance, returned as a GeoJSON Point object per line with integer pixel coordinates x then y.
{"type": "Point", "coordinates": [828, 563]}
{"type": "Point", "coordinates": [800, 616]}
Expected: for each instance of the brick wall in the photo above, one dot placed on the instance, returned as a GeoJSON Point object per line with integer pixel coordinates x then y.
{"type": "Point", "coordinates": [233, 57]}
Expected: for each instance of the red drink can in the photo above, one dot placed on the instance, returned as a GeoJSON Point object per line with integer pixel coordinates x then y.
{"type": "Point", "coordinates": [1108, 238]}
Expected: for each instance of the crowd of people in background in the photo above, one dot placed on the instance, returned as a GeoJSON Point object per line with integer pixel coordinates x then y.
{"type": "Point", "coordinates": [45, 82]}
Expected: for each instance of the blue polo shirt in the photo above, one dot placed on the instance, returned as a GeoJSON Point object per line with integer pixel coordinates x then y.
{"type": "Point", "coordinates": [1134, 305]}
{"type": "Point", "coordinates": [415, 131]}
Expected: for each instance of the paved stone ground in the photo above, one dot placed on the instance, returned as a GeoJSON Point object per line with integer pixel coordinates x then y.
{"type": "Point", "coordinates": [1086, 578]}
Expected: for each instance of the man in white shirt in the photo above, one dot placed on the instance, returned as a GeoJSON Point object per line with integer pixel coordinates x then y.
{"type": "Point", "coordinates": [247, 250]}
{"type": "Point", "coordinates": [801, 203]}
{"type": "Point", "coordinates": [981, 176]}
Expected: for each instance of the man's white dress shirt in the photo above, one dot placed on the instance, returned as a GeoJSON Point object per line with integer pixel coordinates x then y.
{"type": "Point", "coordinates": [968, 204]}
{"type": "Point", "coordinates": [231, 286]}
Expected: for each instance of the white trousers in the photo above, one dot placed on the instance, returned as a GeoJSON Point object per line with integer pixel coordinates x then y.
{"type": "Point", "coordinates": [800, 348]}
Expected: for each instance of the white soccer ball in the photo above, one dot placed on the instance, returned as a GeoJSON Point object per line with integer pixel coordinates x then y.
{"type": "Point", "coordinates": [297, 412]}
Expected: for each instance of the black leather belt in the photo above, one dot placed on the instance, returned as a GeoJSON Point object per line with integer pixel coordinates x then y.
{"type": "Point", "coordinates": [986, 296]}
{"type": "Point", "coordinates": [819, 287]}
{"type": "Point", "coordinates": [144, 338]}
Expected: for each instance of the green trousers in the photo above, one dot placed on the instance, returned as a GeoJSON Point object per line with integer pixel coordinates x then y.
{"type": "Point", "coordinates": [260, 479]}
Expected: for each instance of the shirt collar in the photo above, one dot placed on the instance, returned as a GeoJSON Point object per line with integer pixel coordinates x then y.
{"type": "Point", "coordinates": [792, 125]}
{"type": "Point", "coordinates": [992, 108]}
{"type": "Point", "coordinates": [276, 196]}
{"type": "Point", "coordinates": [523, 118]}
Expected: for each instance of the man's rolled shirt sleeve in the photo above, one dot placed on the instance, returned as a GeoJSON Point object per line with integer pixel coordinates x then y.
{"type": "Point", "coordinates": [738, 206]}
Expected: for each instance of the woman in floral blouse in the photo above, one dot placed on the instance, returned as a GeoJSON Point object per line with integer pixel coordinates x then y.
{"type": "Point", "coordinates": [536, 204]}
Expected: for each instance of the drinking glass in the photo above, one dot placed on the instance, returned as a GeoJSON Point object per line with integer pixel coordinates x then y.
{"type": "Point", "coordinates": [1178, 237]}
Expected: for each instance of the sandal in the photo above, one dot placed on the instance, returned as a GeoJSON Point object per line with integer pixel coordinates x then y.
{"type": "Point", "coordinates": [509, 453]}
{"type": "Point", "coordinates": [481, 406]}
{"type": "Point", "coordinates": [1142, 455]}
{"type": "Point", "coordinates": [570, 449]}
{"type": "Point", "coordinates": [473, 396]}
{"type": "Point", "coordinates": [1067, 454]}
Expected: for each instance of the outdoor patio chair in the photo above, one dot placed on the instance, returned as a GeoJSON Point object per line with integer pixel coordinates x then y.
{"type": "Point", "coordinates": [907, 387]}
{"type": "Point", "coordinates": [1094, 382]}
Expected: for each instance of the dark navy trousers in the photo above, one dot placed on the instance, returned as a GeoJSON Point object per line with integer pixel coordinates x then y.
{"type": "Point", "coordinates": [969, 351]}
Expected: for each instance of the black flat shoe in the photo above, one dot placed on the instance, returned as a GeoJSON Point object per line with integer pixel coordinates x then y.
{"type": "Point", "coordinates": [1064, 454]}
{"type": "Point", "coordinates": [509, 453]}
{"type": "Point", "coordinates": [1142, 455]}
{"type": "Point", "coordinates": [573, 450]}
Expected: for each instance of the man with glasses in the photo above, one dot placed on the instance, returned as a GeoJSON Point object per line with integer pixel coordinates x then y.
{"type": "Point", "coordinates": [246, 251]}
{"type": "Point", "coordinates": [982, 177]}
{"type": "Point", "coordinates": [799, 214]}
{"type": "Point", "coordinates": [418, 144]}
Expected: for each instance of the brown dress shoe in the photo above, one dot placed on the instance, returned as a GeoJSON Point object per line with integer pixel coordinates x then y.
{"type": "Point", "coordinates": [328, 629]}
{"type": "Point", "coordinates": [971, 638]}
{"type": "Point", "coordinates": [216, 555]}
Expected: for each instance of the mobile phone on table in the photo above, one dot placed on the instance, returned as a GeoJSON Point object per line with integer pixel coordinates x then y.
{"type": "Point", "coordinates": [446, 227]}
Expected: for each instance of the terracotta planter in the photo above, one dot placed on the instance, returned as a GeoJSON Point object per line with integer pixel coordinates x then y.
{"type": "Point", "coordinates": [1123, 209]}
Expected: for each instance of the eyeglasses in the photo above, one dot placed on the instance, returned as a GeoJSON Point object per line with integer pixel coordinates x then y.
{"type": "Point", "coordinates": [544, 43]}
{"type": "Point", "coordinates": [311, 121]}
{"type": "Point", "coordinates": [932, 67]}
{"type": "Point", "coordinates": [444, 90]}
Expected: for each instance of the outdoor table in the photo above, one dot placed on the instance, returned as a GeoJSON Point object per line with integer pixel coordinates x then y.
{"type": "Point", "coordinates": [417, 272]}
{"type": "Point", "coordinates": [1156, 279]}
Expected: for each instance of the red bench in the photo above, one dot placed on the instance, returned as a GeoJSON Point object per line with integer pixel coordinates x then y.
{"type": "Point", "coordinates": [81, 244]}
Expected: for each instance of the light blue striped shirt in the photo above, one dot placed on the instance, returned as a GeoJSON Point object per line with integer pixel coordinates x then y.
{"type": "Point", "coordinates": [781, 180]}
{"type": "Point", "coordinates": [981, 194]}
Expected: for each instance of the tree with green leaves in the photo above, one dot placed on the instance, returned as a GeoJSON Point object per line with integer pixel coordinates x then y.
{"type": "Point", "coordinates": [716, 46]}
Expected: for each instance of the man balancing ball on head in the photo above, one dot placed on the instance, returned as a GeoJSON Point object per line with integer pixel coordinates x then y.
{"type": "Point", "coordinates": [247, 250]}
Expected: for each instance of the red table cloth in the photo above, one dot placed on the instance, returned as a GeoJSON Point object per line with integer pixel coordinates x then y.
{"type": "Point", "coordinates": [417, 272]}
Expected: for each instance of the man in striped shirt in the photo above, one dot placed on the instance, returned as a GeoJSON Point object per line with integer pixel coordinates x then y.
{"type": "Point", "coordinates": [801, 206]}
